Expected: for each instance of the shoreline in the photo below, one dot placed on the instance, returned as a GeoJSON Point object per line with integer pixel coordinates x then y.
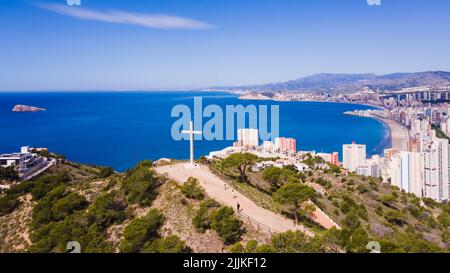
{"type": "Point", "coordinates": [399, 135]}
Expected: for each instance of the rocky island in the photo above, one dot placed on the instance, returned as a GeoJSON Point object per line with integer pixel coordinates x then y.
{"type": "Point", "coordinates": [26, 108]}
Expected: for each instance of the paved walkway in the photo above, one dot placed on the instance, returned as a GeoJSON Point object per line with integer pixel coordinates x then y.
{"type": "Point", "coordinates": [218, 189]}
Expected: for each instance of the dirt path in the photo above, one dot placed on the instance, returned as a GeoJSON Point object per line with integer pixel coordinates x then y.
{"type": "Point", "coordinates": [218, 189]}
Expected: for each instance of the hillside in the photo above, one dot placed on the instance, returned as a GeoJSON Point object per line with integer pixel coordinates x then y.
{"type": "Point", "coordinates": [142, 211]}
{"type": "Point", "coordinates": [135, 211]}
{"type": "Point", "coordinates": [365, 208]}
{"type": "Point", "coordinates": [350, 82]}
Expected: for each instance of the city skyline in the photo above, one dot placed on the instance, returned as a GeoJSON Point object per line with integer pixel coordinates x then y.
{"type": "Point", "coordinates": [177, 45]}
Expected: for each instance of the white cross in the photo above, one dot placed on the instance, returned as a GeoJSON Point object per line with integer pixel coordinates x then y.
{"type": "Point", "coordinates": [191, 133]}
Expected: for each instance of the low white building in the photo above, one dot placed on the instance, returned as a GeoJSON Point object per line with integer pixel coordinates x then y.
{"type": "Point", "coordinates": [224, 153]}
{"type": "Point", "coordinates": [280, 164]}
{"type": "Point", "coordinates": [23, 161]}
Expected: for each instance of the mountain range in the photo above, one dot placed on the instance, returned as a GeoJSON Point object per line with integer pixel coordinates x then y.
{"type": "Point", "coordinates": [326, 82]}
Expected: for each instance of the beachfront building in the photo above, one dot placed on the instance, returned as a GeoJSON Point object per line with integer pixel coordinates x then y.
{"type": "Point", "coordinates": [354, 156]}
{"type": "Point", "coordinates": [248, 138]}
{"type": "Point", "coordinates": [420, 125]}
{"type": "Point", "coordinates": [405, 171]}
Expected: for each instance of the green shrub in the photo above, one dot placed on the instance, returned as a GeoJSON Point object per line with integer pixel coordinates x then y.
{"type": "Point", "coordinates": [201, 219]}
{"type": "Point", "coordinates": [7, 204]}
{"type": "Point", "coordinates": [323, 182]}
{"type": "Point", "coordinates": [388, 199]}
{"type": "Point", "coordinates": [237, 248]}
{"type": "Point", "coordinates": [45, 184]}
{"type": "Point", "coordinates": [277, 177]}
{"type": "Point", "coordinates": [395, 217]}
{"type": "Point", "coordinates": [170, 244]}
{"type": "Point", "coordinates": [140, 185]}
{"type": "Point", "coordinates": [226, 225]}
{"type": "Point", "coordinates": [251, 247]}
{"type": "Point", "coordinates": [8, 174]}
{"type": "Point", "coordinates": [192, 189]}
{"type": "Point", "coordinates": [362, 189]}
{"type": "Point", "coordinates": [106, 172]}
{"type": "Point", "coordinates": [108, 209]}
{"type": "Point", "coordinates": [53, 237]}
{"type": "Point", "coordinates": [351, 221]}
{"type": "Point", "coordinates": [295, 242]}
{"type": "Point", "coordinates": [141, 230]}
{"type": "Point", "coordinates": [42, 211]}
{"type": "Point", "coordinates": [67, 205]}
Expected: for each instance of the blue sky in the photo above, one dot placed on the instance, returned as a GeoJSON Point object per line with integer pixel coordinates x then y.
{"type": "Point", "coordinates": [155, 44]}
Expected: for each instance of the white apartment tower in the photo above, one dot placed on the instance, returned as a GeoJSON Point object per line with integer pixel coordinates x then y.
{"type": "Point", "coordinates": [354, 156]}
{"type": "Point", "coordinates": [405, 170]}
{"type": "Point", "coordinates": [248, 137]}
{"type": "Point", "coordinates": [435, 156]}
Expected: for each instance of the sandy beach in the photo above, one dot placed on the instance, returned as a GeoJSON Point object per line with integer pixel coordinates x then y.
{"type": "Point", "coordinates": [399, 134]}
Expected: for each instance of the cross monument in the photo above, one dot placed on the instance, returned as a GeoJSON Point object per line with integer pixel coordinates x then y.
{"type": "Point", "coordinates": [191, 133]}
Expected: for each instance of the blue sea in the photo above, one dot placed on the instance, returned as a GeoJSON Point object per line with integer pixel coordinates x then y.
{"type": "Point", "coordinates": [118, 129]}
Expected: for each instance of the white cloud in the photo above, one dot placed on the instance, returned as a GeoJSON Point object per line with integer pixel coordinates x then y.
{"type": "Point", "coordinates": [159, 21]}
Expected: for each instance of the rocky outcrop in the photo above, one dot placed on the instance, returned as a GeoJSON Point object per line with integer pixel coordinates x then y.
{"type": "Point", "coordinates": [26, 108]}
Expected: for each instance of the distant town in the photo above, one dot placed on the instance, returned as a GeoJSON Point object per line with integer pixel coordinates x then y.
{"type": "Point", "coordinates": [419, 122]}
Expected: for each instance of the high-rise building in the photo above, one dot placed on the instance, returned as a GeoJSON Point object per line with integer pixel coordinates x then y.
{"type": "Point", "coordinates": [445, 126]}
{"type": "Point", "coordinates": [389, 153]}
{"type": "Point", "coordinates": [405, 169]}
{"type": "Point", "coordinates": [435, 160]}
{"type": "Point", "coordinates": [335, 159]}
{"type": "Point", "coordinates": [354, 156]}
{"type": "Point", "coordinates": [248, 138]}
{"type": "Point", "coordinates": [286, 144]}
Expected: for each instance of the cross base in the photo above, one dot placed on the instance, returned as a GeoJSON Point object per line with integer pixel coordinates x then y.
{"type": "Point", "coordinates": [190, 166]}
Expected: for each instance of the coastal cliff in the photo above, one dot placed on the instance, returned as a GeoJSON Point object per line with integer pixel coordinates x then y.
{"type": "Point", "coordinates": [26, 108]}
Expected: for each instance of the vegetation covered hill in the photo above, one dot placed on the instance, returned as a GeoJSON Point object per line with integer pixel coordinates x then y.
{"type": "Point", "coordinates": [136, 211]}
{"type": "Point", "coordinates": [140, 211]}
{"type": "Point", "coordinates": [365, 208]}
